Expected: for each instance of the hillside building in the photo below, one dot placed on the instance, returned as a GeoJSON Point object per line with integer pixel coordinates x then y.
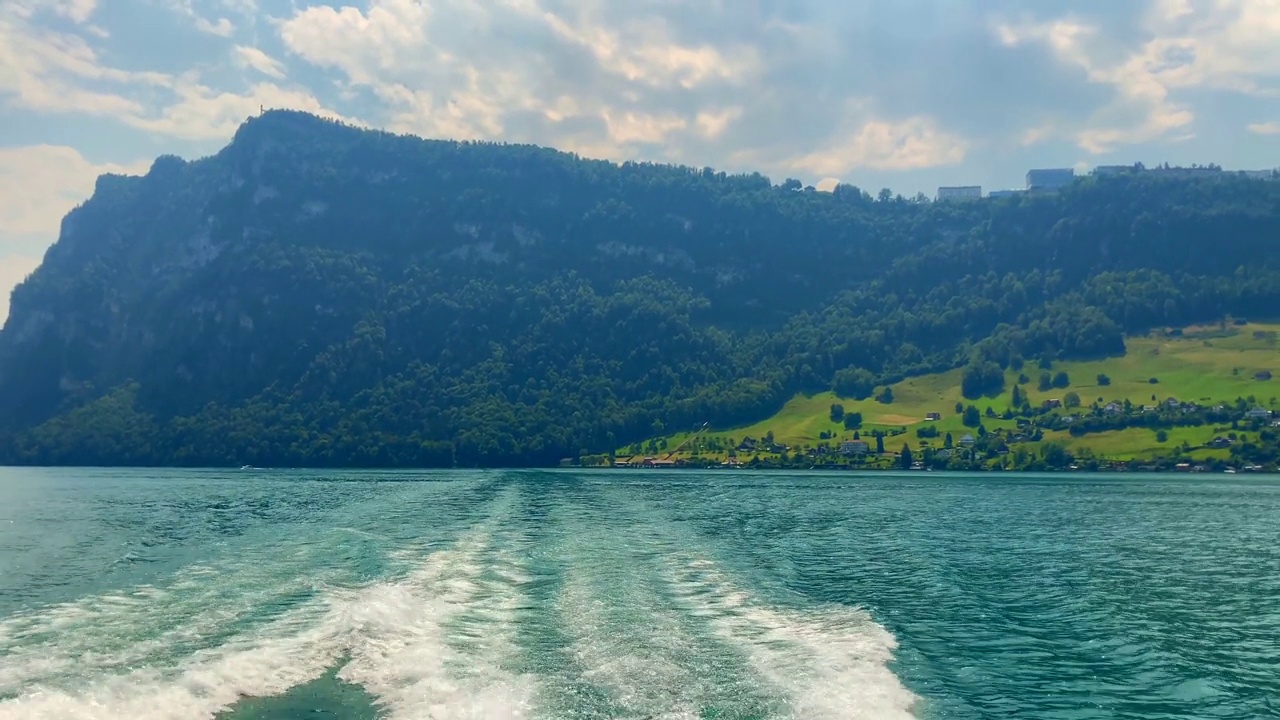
{"type": "Point", "coordinates": [1050, 178]}
{"type": "Point", "coordinates": [959, 192]}
{"type": "Point", "coordinates": [1116, 170]}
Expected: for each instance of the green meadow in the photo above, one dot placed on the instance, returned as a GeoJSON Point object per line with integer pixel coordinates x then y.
{"type": "Point", "coordinates": [1203, 364]}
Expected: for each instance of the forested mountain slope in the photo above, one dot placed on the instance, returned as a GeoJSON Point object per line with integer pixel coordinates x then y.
{"type": "Point", "coordinates": [316, 294]}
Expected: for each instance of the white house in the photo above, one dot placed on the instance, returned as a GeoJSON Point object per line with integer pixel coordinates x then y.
{"type": "Point", "coordinates": [960, 192]}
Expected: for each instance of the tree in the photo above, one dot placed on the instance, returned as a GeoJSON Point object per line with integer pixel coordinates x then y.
{"type": "Point", "coordinates": [905, 458]}
{"type": "Point", "coordinates": [1071, 400]}
{"type": "Point", "coordinates": [852, 420]}
{"type": "Point", "coordinates": [854, 382]}
{"type": "Point", "coordinates": [947, 442]}
{"type": "Point", "coordinates": [959, 408]}
{"type": "Point", "coordinates": [972, 418]}
{"type": "Point", "coordinates": [1046, 382]}
{"type": "Point", "coordinates": [1016, 400]}
{"type": "Point", "coordinates": [1162, 436]}
{"type": "Point", "coordinates": [885, 396]}
{"type": "Point", "coordinates": [879, 443]}
{"type": "Point", "coordinates": [1061, 380]}
{"type": "Point", "coordinates": [837, 413]}
{"type": "Point", "coordinates": [1054, 454]}
{"type": "Point", "coordinates": [982, 378]}
{"type": "Point", "coordinates": [1103, 380]}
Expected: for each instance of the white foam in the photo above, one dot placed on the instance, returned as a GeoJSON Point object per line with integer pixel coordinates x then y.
{"type": "Point", "coordinates": [405, 656]}
{"type": "Point", "coordinates": [290, 652]}
{"type": "Point", "coordinates": [393, 632]}
{"type": "Point", "coordinates": [635, 664]}
{"type": "Point", "coordinates": [830, 662]}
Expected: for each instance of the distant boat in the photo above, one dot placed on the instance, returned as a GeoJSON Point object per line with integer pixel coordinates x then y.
{"type": "Point", "coordinates": [246, 467]}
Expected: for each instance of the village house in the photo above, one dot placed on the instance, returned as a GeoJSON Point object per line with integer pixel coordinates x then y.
{"type": "Point", "coordinates": [855, 447]}
{"type": "Point", "coordinates": [1113, 408]}
{"type": "Point", "coordinates": [967, 441]}
{"type": "Point", "coordinates": [1220, 442]}
{"type": "Point", "coordinates": [1053, 403]}
{"type": "Point", "coordinates": [1258, 413]}
{"type": "Point", "coordinates": [933, 416]}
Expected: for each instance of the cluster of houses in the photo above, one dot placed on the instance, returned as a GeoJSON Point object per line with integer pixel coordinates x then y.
{"type": "Point", "coordinates": [1114, 408]}
{"type": "Point", "coordinates": [1025, 432]}
{"type": "Point", "coordinates": [1053, 179]}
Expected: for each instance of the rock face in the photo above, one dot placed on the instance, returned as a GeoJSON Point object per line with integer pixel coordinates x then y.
{"type": "Point", "coordinates": [500, 298]}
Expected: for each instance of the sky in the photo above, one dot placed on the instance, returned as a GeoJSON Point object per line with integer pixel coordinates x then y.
{"type": "Point", "coordinates": [905, 94]}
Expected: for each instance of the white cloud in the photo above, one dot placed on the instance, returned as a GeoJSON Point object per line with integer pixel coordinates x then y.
{"type": "Point", "coordinates": [367, 47]}
{"type": "Point", "coordinates": [1225, 45]}
{"type": "Point", "coordinates": [52, 72]}
{"type": "Point", "coordinates": [645, 52]}
{"type": "Point", "coordinates": [76, 10]}
{"type": "Point", "coordinates": [39, 185]}
{"type": "Point", "coordinates": [221, 27]}
{"type": "Point", "coordinates": [387, 49]}
{"type": "Point", "coordinates": [204, 113]}
{"type": "Point", "coordinates": [1141, 111]}
{"type": "Point", "coordinates": [421, 62]}
{"type": "Point", "coordinates": [58, 72]}
{"type": "Point", "coordinates": [632, 127]}
{"type": "Point", "coordinates": [254, 58]}
{"type": "Point", "coordinates": [909, 144]}
{"type": "Point", "coordinates": [712, 123]}
{"type": "Point", "coordinates": [1266, 128]}
{"type": "Point", "coordinates": [13, 270]}
{"type": "Point", "coordinates": [827, 184]}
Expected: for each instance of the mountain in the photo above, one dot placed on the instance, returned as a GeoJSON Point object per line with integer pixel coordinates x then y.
{"type": "Point", "coordinates": [321, 295]}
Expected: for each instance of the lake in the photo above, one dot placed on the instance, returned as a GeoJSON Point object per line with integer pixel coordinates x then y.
{"type": "Point", "coordinates": [148, 594]}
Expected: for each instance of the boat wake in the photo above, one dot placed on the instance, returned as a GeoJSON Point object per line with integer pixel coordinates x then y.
{"type": "Point", "coordinates": [488, 625]}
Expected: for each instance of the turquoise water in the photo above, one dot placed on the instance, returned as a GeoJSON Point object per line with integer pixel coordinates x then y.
{"type": "Point", "coordinates": [177, 594]}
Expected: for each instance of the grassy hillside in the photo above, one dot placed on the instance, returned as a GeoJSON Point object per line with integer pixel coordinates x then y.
{"type": "Point", "coordinates": [1206, 365]}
